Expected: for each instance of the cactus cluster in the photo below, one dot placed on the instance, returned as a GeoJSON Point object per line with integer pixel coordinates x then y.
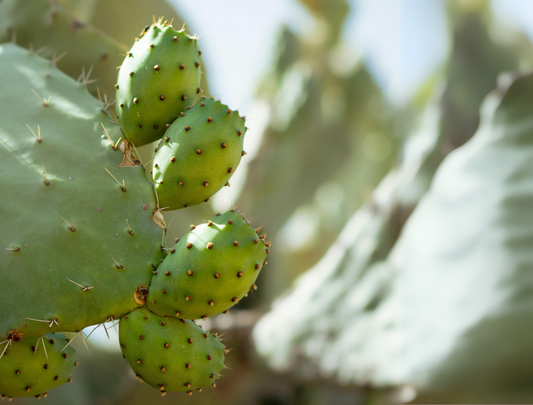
{"type": "Point", "coordinates": [83, 233]}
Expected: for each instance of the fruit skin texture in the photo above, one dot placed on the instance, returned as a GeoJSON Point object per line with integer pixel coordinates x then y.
{"type": "Point", "coordinates": [22, 368]}
{"type": "Point", "coordinates": [200, 280]}
{"type": "Point", "coordinates": [158, 79]}
{"type": "Point", "coordinates": [199, 154]}
{"type": "Point", "coordinates": [168, 353]}
{"type": "Point", "coordinates": [35, 239]}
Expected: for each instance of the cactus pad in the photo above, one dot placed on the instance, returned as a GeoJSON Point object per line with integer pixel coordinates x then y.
{"type": "Point", "coordinates": [158, 79]}
{"type": "Point", "coordinates": [209, 270]}
{"type": "Point", "coordinates": [198, 155]}
{"type": "Point", "coordinates": [65, 241]}
{"type": "Point", "coordinates": [170, 354]}
{"type": "Point", "coordinates": [33, 366]}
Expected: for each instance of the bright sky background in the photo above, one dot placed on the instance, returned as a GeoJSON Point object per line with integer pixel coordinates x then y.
{"type": "Point", "coordinates": [403, 42]}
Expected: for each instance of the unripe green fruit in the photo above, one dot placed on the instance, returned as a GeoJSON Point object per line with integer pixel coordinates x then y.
{"type": "Point", "coordinates": [200, 152]}
{"type": "Point", "coordinates": [168, 353]}
{"type": "Point", "coordinates": [158, 79]}
{"type": "Point", "coordinates": [33, 366]}
{"type": "Point", "coordinates": [209, 270]}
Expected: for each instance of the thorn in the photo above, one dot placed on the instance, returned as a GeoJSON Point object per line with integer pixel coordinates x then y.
{"type": "Point", "coordinates": [14, 249]}
{"type": "Point", "coordinates": [84, 288]}
{"type": "Point", "coordinates": [38, 131]}
{"type": "Point", "coordinates": [44, 175]}
{"type": "Point", "coordinates": [118, 265]}
{"type": "Point", "coordinates": [122, 186]}
{"type": "Point", "coordinates": [131, 232]}
{"type": "Point", "coordinates": [52, 322]}
{"type": "Point", "coordinates": [57, 59]}
{"type": "Point", "coordinates": [108, 137]}
{"type": "Point", "coordinates": [72, 227]}
{"type": "Point", "coordinates": [45, 101]}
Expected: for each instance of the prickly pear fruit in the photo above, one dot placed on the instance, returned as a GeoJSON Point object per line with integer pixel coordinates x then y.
{"type": "Point", "coordinates": [33, 366]}
{"type": "Point", "coordinates": [168, 353]}
{"type": "Point", "coordinates": [209, 270]}
{"type": "Point", "coordinates": [159, 78]}
{"type": "Point", "coordinates": [198, 155]}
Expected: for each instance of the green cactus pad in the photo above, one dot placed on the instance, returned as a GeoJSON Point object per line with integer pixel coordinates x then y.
{"type": "Point", "coordinates": [158, 79]}
{"type": "Point", "coordinates": [33, 366]}
{"type": "Point", "coordinates": [68, 257]}
{"type": "Point", "coordinates": [50, 30]}
{"type": "Point", "coordinates": [170, 354]}
{"type": "Point", "coordinates": [209, 270]}
{"type": "Point", "coordinates": [198, 155]}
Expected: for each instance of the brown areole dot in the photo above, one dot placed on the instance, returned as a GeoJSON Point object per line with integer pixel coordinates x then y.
{"type": "Point", "coordinates": [187, 298]}
{"type": "Point", "coordinates": [212, 303]}
{"type": "Point", "coordinates": [184, 97]}
{"type": "Point", "coordinates": [209, 245]}
{"type": "Point", "coordinates": [223, 145]}
{"type": "Point", "coordinates": [188, 365]}
{"type": "Point", "coordinates": [166, 345]}
{"type": "Point", "coordinates": [162, 97]}
{"type": "Point", "coordinates": [182, 66]}
{"type": "Point", "coordinates": [198, 151]}
{"type": "Point", "coordinates": [189, 245]}
{"type": "Point", "coordinates": [217, 275]}
{"type": "Point", "coordinates": [190, 272]}
{"type": "Point", "coordinates": [172, 159]}
{"type": "Point", "coordinates": [156, 68]}
{"type": "Point", "coordinates": [187, 127]}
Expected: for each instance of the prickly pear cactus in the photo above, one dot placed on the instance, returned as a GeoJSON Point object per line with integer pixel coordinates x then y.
{"type": "Point", "coordinates": [158, 80]}
{"type": "Point", "coordinates": [33, 366]}
{"type": "Point", "coordinates": [83, 230]}
{"type": "Point", "coordinates": [170, 354]}
{"type": "Point", "coordinates": [198, 155]}
{"type": "Point", "coordinates": [210, 269]}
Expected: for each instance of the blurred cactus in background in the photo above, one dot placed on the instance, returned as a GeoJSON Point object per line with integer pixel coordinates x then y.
{"type": "Point", "coordinates": [344, 318]}
{"type": "Point", "coordinates": [328, 143]}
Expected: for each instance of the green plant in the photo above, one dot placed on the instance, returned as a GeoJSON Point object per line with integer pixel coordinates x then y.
{"type": "Point", "coordinates": [83, 229]}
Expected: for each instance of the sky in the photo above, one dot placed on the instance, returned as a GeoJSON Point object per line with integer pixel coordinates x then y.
{"type": "Point", "coordinates": [402, 41]}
